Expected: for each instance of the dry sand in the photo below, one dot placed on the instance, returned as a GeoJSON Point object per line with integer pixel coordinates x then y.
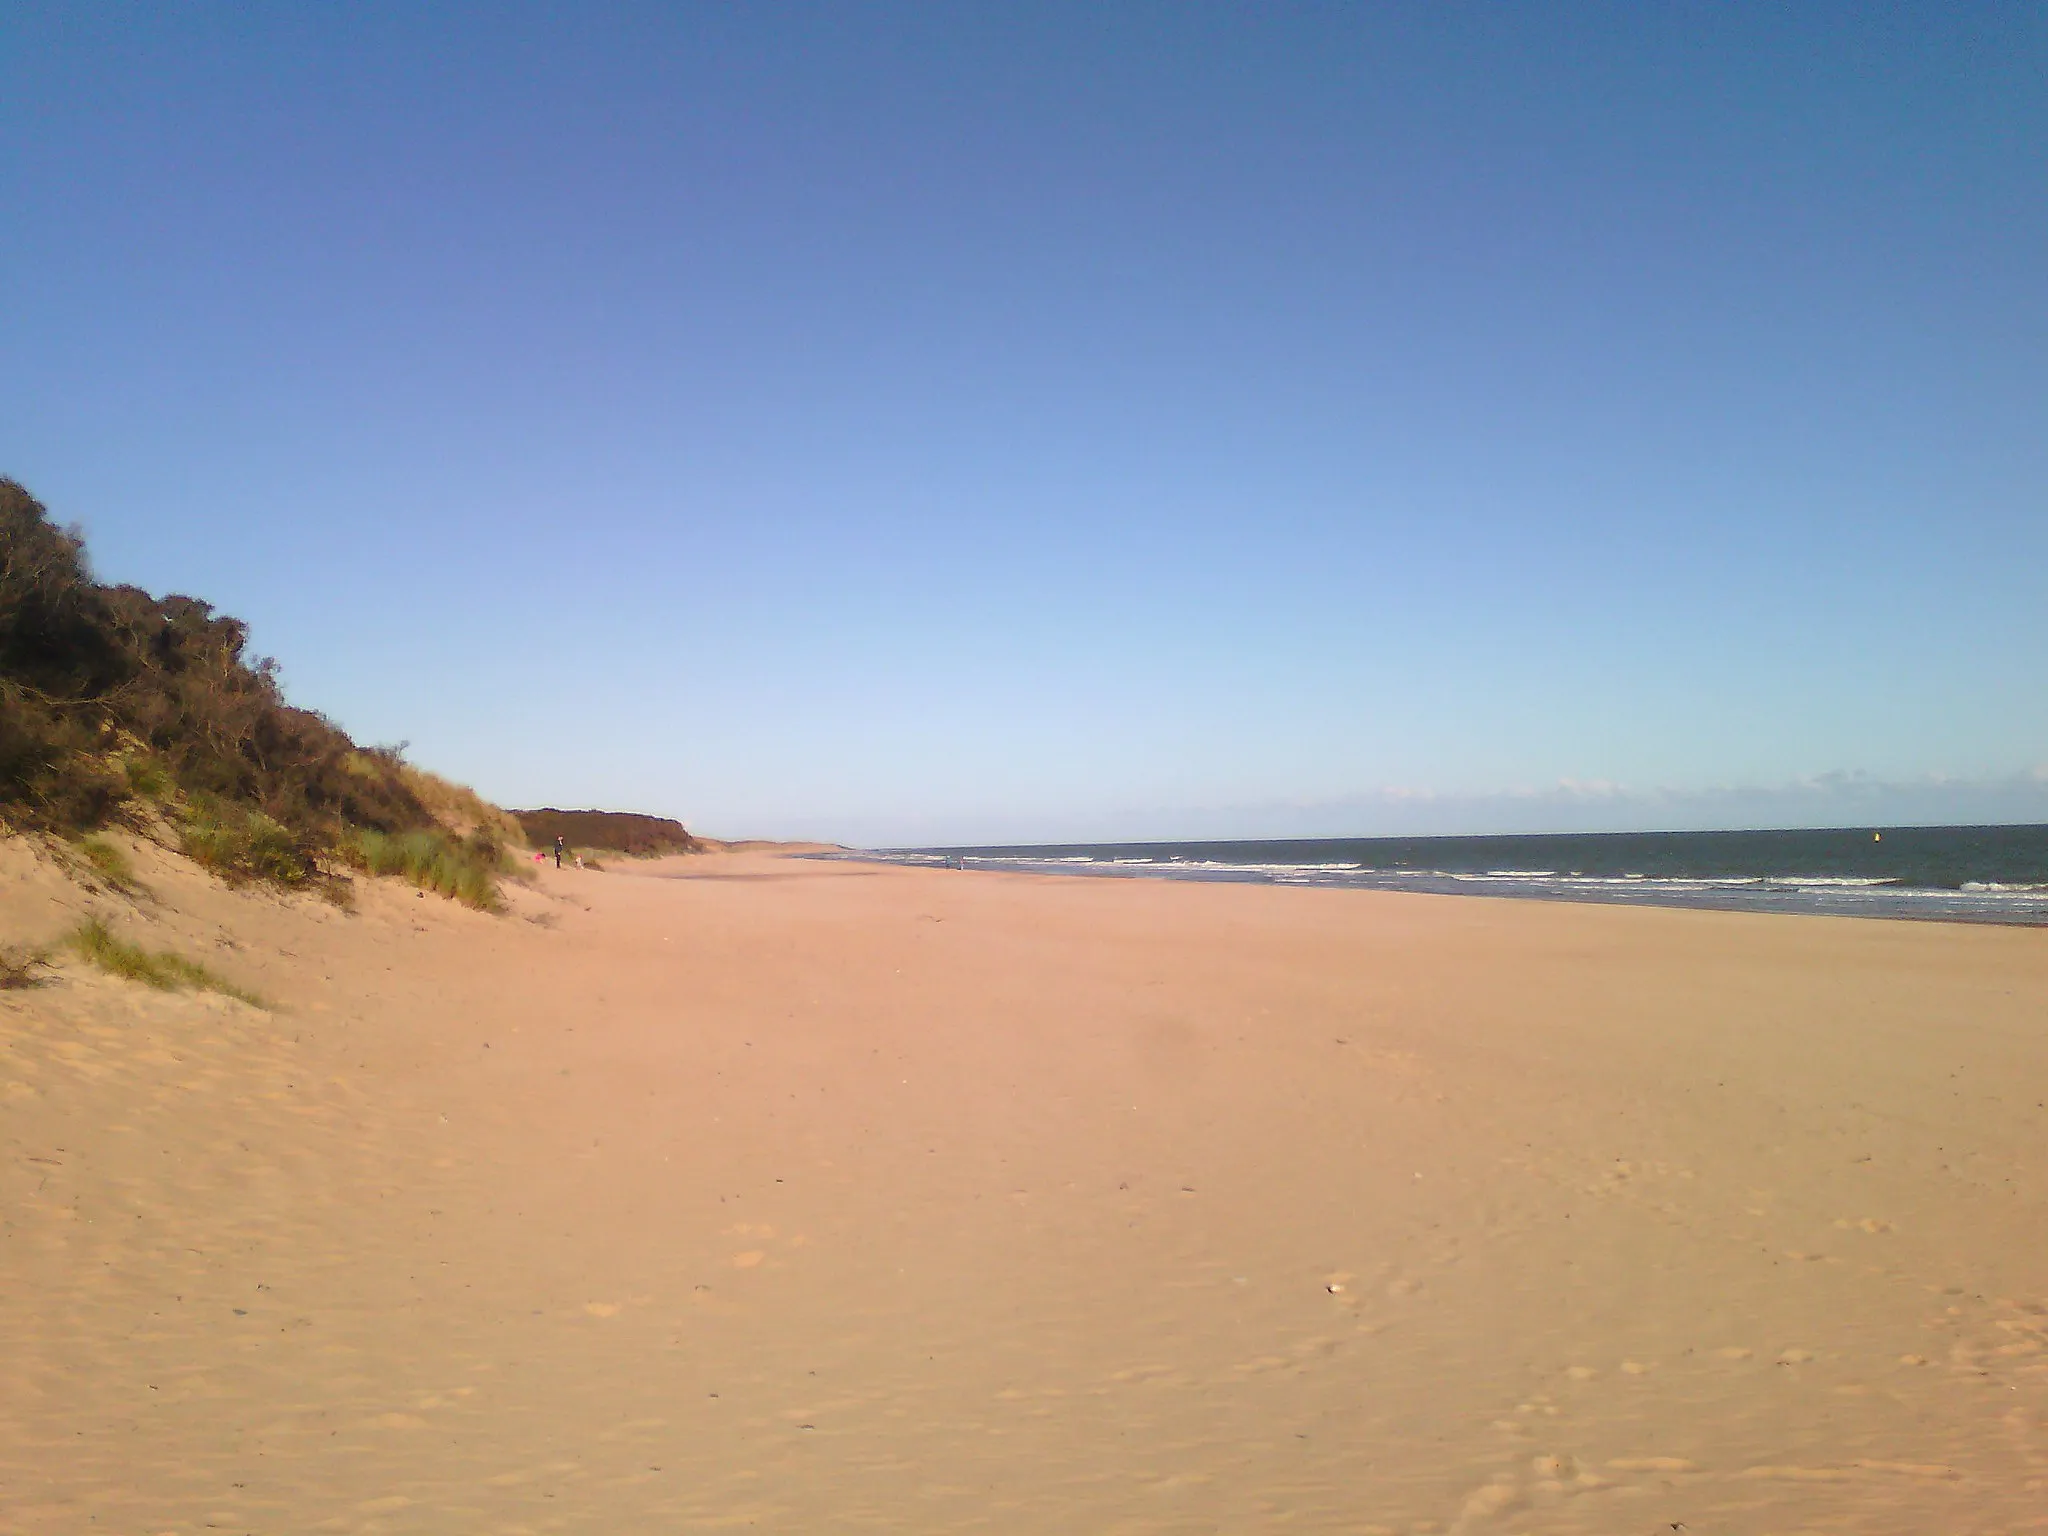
{"type": "Point", "coordinates": [756, 1192]}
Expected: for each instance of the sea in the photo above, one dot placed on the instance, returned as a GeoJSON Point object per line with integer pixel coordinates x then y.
{"type": "Point", "coordinates": [1946, 874]}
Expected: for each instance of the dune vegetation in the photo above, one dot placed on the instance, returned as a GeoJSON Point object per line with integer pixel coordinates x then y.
{"type": "Point", "coordinates": [109, 860]}
{"type": "Point", "coordinates": [465, 869]}
{"type": "Point", "coordinates": [163, 969]}
{"type": "Point", "coordinates": [118, 708]}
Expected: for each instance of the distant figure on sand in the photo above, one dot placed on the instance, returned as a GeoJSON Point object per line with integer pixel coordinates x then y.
{"type": "Point", "coordinates": [559, 844]}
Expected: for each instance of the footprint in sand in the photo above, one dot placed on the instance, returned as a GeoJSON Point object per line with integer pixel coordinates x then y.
{"type": "Point", "coordinates": [1933, 1471]}
{"type": "Point", "coordinates": [1493, 1499]}
{"type": "Point", "coordinates": [1652, 1464]}
{"type": "Point", "coordinates": [1142, 1373]}
{"type": "Point", "coordinates": [1178, 1481]}
{"type": "Point", "coordinates": [754, 1258]}
{"type": "Point", "coordinates": [1304, 1352]}
{"type": "Point", "coordinates": [1561, 1476]}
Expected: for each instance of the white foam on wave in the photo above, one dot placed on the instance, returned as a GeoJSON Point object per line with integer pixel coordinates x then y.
{"type": "Point", "coordinates": [1538, 877]}
{"type": "Point", "coordinates": [1861, 895]}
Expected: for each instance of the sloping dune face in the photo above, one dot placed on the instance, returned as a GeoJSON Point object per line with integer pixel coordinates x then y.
{"type": "Point", "coordinates": [743, 1191]}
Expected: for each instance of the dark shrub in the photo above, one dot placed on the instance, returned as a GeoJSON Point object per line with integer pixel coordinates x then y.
{"type": "Point", "coordinates": [114, 701]}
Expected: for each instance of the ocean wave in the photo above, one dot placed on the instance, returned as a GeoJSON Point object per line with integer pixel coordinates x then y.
{"type": "Point", "coordinates": [1957, 879]}
{"type": "Point", "coordinates": [1824, 880]}
{"type": "Point", "coordinates": [1296, 872]}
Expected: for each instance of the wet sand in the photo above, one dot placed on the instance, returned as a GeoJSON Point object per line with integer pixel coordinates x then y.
{"type": "Point", "coordinates": [743, 1191]}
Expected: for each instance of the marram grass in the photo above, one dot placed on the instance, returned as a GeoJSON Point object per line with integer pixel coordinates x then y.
{"type": "Point", "coordinates": [465, 871]}
{"type": "Point", "coordinates": [109, 859]}
{"type": "Point", "coordinates": [94, 941]}
{"type": "Point", "coordinates": [241, 845]}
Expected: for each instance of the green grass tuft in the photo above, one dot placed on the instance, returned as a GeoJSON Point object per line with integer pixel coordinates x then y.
{"type": "Point", "coordinates": [167, 972]}
{"type": "Point", "coordinates": [466, 870]}
{"type": "Point", "coordinates": [109, 859]}
{"type": "Point", "coordinates": [148, 779]}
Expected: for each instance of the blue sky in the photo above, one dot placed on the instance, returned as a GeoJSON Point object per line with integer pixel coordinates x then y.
{"type": "Point", "coordinates": [933, 423]}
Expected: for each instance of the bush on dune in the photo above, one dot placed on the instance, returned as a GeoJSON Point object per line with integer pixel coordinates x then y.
{"type": "Point", "coordinates": [243, 845]}
{"type": "Point", "coordinates": [116, 706]}
{"type": "Point", "coordinates": [109, 695]}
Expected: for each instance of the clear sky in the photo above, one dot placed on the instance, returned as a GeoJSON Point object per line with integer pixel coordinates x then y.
{"type": "Point", "coordinates": [924, 423]}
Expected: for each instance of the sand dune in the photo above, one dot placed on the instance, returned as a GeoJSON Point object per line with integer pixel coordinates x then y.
{"type": "Point", "coordinates": [746, 1191]}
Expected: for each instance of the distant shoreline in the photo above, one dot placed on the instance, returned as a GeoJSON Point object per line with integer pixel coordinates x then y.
{"type": "Point", "coordinates": [768, 845]}
{"type": "Point", "coordinates": [1983, 875]}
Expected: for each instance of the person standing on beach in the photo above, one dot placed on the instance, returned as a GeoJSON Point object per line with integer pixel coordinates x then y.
{"type": "Point", "coordinates": [558, 850]}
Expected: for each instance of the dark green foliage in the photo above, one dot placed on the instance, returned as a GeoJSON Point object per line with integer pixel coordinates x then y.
{"type": "Point", "coordinates": [147, 779]}
{"type": "Point", "coordinates": [63, 663]}
{"type": "Point", "coordinates": [117, 705]}
{"type": "Point", "coordinates": [623, 831]}
{"type": "Point", "coordinates": [109, 696]}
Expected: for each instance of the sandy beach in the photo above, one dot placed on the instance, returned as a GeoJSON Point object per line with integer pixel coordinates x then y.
{"type": "Point", "coordinates": [744, 1191]}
